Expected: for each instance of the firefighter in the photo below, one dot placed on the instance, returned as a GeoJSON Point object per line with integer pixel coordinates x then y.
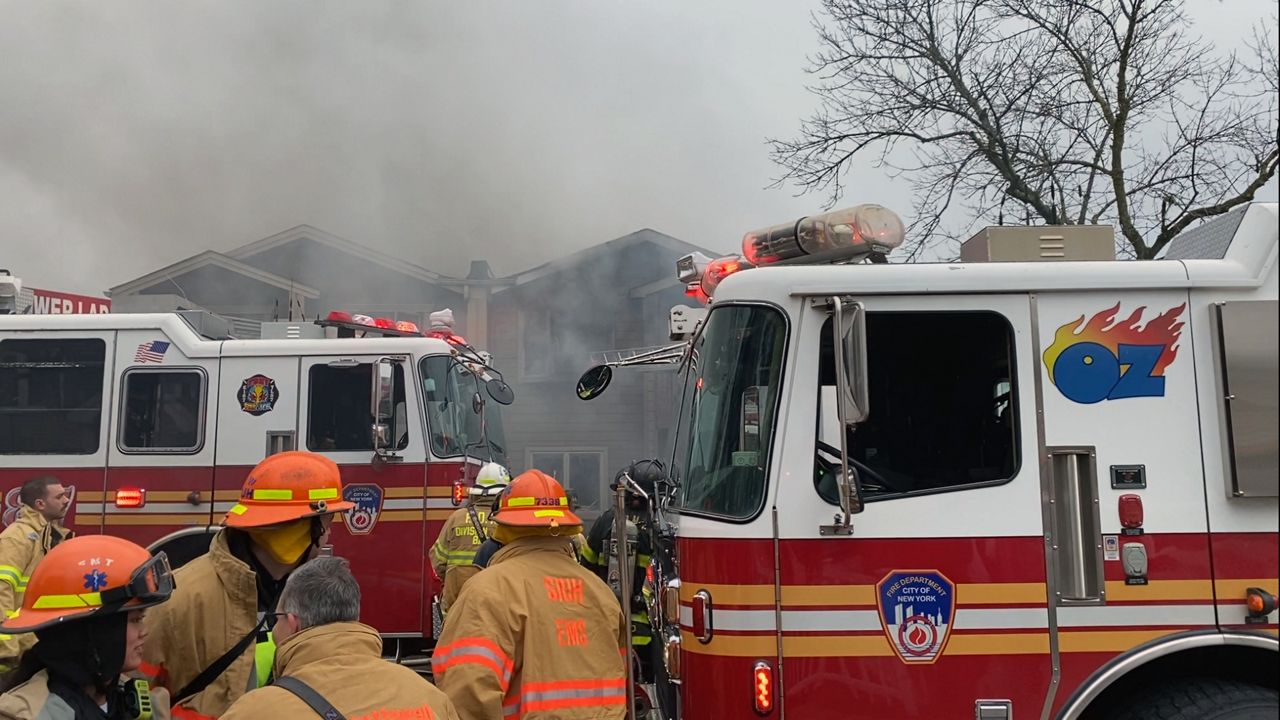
{"type": "Point", "coordinates": [213, 643]}
{"type": "Point", "coordinates": [464, 531]}
{"type": "Point", "coordinates": [85, 605]}
{"type": "Point", "coordinates": [534, 635]}
{"type": "Point", "coordinates": [596, 554]}
{"type": "Point", "coordinates": [323, 646]}
{"type": "Point", "coordinates": [37, 529]}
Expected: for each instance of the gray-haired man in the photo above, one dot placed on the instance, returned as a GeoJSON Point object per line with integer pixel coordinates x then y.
{"type": "Point", "coordinates": [321, 643]}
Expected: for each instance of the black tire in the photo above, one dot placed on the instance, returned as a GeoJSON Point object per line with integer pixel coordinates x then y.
{"type": "Point", "coordinates": [1200, 699]}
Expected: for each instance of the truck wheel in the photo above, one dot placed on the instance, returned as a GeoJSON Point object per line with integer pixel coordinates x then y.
{"type": "Point", "coordinates": [1200, 699]}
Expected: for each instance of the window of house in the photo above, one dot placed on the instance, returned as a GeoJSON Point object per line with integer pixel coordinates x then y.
{"type": "Point", "coordinates": [51, 396]}
{"type": "Point", "coordinates": [581, 472]}
{"type": "Point", "coordinates": [552, 345]}
{"type": "Point", "coordinates": [944, 408]}
{"type": "Point", "coordinates": [338, 408]}
{"type": "Point", "coordinates": [163, 410]}
{"type": "Point", "coordinates": [536, 343]}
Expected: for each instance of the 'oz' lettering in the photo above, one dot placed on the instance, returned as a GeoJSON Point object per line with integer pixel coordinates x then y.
{"type": "Point", "coordinates": [1089, 373]}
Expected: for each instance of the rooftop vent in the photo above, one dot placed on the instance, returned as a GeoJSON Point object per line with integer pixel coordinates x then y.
{"type": "Point", "coordinates": [1045, 243]}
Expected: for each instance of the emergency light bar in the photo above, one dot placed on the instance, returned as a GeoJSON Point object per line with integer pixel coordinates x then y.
{"type": "Point", "coordinates": [348, 324]}
{"type": "Point", "coordinates": [838, 235]}
{"type": "Point", "coordinates": [861, 232]}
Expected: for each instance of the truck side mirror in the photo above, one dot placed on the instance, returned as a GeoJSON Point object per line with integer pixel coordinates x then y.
{"type": "Point", "coordinates": [500, 391]}
{"type": "Point", "coordinates": [849, 323]}
{"type": "Point", "coordinates": [594, 381]}
{"type": "Point", "coordinates": [382, 408]}
{"type": "Point", "coordinates": [850, 488]}
{"type": "Point", "coordinates": [851, 361]}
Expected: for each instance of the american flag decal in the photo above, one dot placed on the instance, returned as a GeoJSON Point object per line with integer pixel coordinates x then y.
{"type": "Point", "coordinates": [151, 352]}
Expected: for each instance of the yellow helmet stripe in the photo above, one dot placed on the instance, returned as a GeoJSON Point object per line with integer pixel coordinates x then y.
{"type": "Point", "coordinates": [272, 494]}
{"type": "Point", "coordinates": [323, 494]}
{"type": "Point", "coordinates": [67, 602]}
{"type": "Point", "coordinates": [548, 513]}
{"type": "Point", "coordinates": [530, 501]}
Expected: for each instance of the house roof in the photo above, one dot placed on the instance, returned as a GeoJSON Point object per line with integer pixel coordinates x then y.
{"type": "Point", "coordinates": [676, 246]}
{"type": "Point", "coordinates": [314, 234]}
{"type": "Point", "coordinates": [210, 258]}
{"type": "Point", "coordinates": [239, 261]}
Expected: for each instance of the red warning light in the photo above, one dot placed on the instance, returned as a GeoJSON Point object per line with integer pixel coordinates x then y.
{"type": "Point", "coordinates": [762, 687]}
{"type": "Point", "coordinates": [130, 497]}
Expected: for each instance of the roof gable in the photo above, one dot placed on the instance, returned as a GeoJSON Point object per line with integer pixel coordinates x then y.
{"type": "Point", "coordinates": [316, 235]}
{"type": "Point", "coordinates": [571, 263]}
{"type": "Point", "coordinates": [211, 258]}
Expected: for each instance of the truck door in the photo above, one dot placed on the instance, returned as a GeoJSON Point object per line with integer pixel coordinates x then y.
{"type": "Point", "coordinates": [55, 418]}
{"type": "Point", "coordinates": [384, 536]}
{"type": "Point", "coordinates": [938, 598]}
{"type": "Point", "coordinates": [160, 455]}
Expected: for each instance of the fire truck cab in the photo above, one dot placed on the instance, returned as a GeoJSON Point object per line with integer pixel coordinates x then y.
{"type": "Point", "coordinates": [1031, 489]}
{"type": "Point", "coordinates": [154, 421]}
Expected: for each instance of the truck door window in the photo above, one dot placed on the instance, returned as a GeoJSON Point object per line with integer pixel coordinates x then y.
{"type": "Point", "coordinates": [338, 416]}
{"type": "Point", "coordinates": [730, 409]}
{"type": "Point", "coordinates": [51, 396]}
{"type": "Point", "coordinates": [163, 411]}
{"type": "Point", "coordinates": [452, 423]}
{"type": "Point", "coordinates": [944, 410]}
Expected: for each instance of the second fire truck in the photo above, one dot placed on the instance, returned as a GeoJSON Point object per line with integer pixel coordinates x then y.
{"type": "Point", "coordinates": [154, 421]}
{"type": "Point", "coordinates": [982, 489]}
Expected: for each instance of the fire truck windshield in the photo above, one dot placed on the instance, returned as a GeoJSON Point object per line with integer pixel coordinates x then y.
{"type": "Point", "coordinates": [729, 410]}
{"type": "Point", "coordinates": [454, 426]}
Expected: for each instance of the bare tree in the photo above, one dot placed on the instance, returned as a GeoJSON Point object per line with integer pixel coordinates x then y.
{"type": "Point", "coordinates": [1062, 111]}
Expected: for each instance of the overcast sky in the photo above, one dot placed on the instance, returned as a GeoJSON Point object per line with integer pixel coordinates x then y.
{"type": "Point", "coordinates": [134, 134]}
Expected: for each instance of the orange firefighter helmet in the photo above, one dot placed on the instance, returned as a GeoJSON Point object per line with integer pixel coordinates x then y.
{"type": "Point", "coordinates": [535, 499]}
{"type": "Point", "coordinates": [91, 575]}
{"type": "Point", "coordinates": [288, 486]}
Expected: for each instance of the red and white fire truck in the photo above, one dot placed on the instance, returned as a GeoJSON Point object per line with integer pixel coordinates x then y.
{"type": "Point", "coordinates": [1061, 489]}
{"type": "Point", "coordinates": [156, 419]}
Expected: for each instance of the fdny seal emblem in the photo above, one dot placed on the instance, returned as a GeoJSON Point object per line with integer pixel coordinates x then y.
{"type": "Point", "coordinates": [368, 506]}
{"type": "Point", "coordinates": [916, 608]}
{"type": "Point", "coordinates": [258, 395]}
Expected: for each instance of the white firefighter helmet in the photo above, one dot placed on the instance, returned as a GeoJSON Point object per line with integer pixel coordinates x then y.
{"type": "Point", "coordinates": [491, 479]}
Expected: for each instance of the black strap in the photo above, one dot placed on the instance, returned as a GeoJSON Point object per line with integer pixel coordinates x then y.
{"type": "Point", "coordinates": [309, 696]}
{"type": "Point", "coordinates": [219, 666]}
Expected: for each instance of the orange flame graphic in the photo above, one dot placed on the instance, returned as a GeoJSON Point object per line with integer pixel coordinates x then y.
{"type": "Point", "coordinates": [1165, 329]}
